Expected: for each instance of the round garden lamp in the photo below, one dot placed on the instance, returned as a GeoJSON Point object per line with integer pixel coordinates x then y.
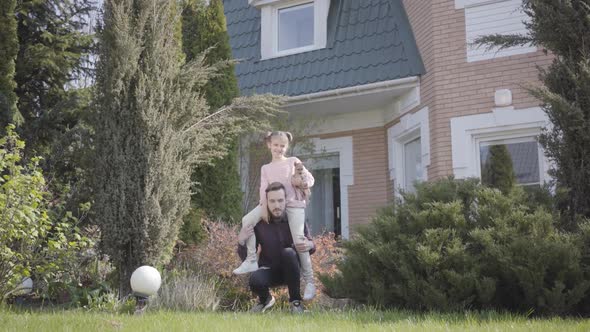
{"type": "Point", "coordinates": [25, 287]}
{"type": "Point", "coordinates": [145, 282]}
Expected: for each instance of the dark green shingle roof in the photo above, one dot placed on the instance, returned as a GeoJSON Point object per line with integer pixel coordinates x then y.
{"type": "Point", "coordinates": [368, 41]}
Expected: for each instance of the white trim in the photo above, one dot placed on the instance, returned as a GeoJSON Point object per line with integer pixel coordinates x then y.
{"type": "Point", "coordinates": [460, 4]}
{"type": "Point", "coordinates": [356, 90]}
{"type": "Point", "coordinates": [410, 127]}
{"type": "Point", "coordinates": [502, 123]}
{"type": "Point", "coordinates": [342, 122]}
{"type": "Point", "coordinates": [342, 146]}
{"type": "Point", "coordinates": [410, 100]}
{"type": "Point", "coordinates": [259, 3]}
{"type": "Point", "coordinates": [269, 25]}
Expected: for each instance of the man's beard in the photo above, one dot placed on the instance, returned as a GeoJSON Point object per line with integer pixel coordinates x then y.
{"type": "Point", "coordinates": [282, 216]}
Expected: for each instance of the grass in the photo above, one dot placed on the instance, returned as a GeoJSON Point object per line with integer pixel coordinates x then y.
{"type": "Point", "coordinates": [277, 320]}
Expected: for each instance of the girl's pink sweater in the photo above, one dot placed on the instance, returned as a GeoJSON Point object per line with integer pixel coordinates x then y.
{"type": "Point", "coordinates": [281, 171]}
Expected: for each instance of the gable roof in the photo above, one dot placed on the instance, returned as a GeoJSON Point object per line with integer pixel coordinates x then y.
{"type": "Point", "coordinates": [368, 41]}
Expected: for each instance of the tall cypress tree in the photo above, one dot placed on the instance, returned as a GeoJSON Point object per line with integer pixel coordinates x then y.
{"type": "Point", "coordinates": [563, 29]}
{"type": "Point", "coordinates": [152, 127]}
{"type": "Point", "coordinates": [217, 190]}
{"type": "Point", "coordinates": [8, 51]}
{"type": "Point", "coordinates": [498, 171]}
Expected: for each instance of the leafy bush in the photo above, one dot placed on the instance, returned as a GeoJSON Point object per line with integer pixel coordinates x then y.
{"type": "Point", "coordinates": [213, 260]}
{"type": "Point", "coordinates": [457, 244]}
{"type": "Point", "coordinates": [34, 241]}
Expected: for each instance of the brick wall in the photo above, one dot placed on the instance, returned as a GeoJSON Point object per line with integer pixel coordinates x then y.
{"type": "Point", "coordinates": [452, 86]}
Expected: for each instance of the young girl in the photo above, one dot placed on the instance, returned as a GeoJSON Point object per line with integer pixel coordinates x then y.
{"type": "Point", "coordinates": [282, 169]}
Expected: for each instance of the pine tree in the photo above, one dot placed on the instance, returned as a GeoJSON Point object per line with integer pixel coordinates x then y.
{"type": "Point", "coordinates": [563, 29]}
{"type": "Point", "coordinates": [217, 190]}
{"type": "Point", "coordinates": [498, 171]}
{"type": "Point", "coordinates": [152, 127]}
{"type": "Point", "coordinates": [53, 43]}
{"type": "Point", "coordinates": [8, 51]}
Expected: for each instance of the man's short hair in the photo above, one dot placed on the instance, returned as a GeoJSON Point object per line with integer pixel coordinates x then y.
{"type": "Point", "coordinates": [275, 186]}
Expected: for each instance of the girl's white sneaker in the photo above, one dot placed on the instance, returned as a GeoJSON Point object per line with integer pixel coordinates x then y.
{"type": "Point", "coordinates": [247, 266]}
{"type": "Point", "coordinates": [309, 292]}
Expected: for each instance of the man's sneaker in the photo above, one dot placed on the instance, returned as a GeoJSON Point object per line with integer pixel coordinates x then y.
{"type": "Point", "coordinates": [247, 266]}
{"type": "Point", "coordinates": [261, 307]}
{"type": "Point", "coordinates": [296, 307]}
{"type": "Point", "coordinates": [309, 292]}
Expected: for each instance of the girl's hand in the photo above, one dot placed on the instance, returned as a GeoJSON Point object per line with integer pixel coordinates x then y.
{"type": "Point", "coordinates": [245, 234]}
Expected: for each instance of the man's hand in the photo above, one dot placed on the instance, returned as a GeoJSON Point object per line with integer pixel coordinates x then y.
{"type": "Point", "coordinates": [245, 234]}
{"type": "Point", "coordinates": [304, 246]}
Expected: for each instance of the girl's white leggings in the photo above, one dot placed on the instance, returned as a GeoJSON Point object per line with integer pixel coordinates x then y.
{"type": "Point", "coordinates": [296, 217]}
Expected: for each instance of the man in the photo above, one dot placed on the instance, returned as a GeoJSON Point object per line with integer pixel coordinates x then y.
{"type": "Point", "coordinates": [278, 261]}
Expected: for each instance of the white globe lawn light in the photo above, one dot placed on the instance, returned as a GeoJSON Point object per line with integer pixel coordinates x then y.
{"type": "Point", "coordinates": [145, 281]}
{"type": "Point", "coordinates": [25, 287]}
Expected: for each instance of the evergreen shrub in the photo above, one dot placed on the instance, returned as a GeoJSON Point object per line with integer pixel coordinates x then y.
{"type": "Point", "coordinates": [456, 244]}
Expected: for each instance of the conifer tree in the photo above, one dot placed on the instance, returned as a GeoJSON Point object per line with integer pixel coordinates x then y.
{"type": "Point", "coordinates": [217, 191]}
{"type": "Point", "coordinates": [8, 51]}
{"type": "Point", "coordinates": [563, 29]}
{"type": "Point", "coordinates": [53, 42]}
{"type": "Point", "coordinates": [498, 171]}
{"type": "Point", "coordinates": [152, 127]}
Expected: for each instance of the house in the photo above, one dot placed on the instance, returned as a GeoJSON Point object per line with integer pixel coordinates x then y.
{"type": "Point", "coordinates": [403, 93]}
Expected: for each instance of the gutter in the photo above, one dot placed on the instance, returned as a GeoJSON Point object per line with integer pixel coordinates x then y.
{"type": "Point", "coordinates": [353, 90]}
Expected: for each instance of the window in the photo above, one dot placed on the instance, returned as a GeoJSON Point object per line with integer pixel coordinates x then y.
{"type": "Point", "coordinates": [412, 163]}
{"type": "Point", "coordinates": [295, 27]}
{"type": "Point", "coordinates": [521, 155]}
{"type": "Point", "coordinates": [483, 141]}
{"type": "Point", "coordinates": [292, 26]}
{"type": "Point", "coordinates": [487, 17]}
{"type": "Point", "coordinates": [409, 150]}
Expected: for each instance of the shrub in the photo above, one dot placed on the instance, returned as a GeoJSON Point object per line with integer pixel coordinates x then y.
{"type": "Point", "coordinates": [214, 259]}
{"type": "Point", "coordinates": [34, 241]}
{"type": "Point", "coordinates": [456, 244]}
{"type": "Point", "coordinates": [186, 289]}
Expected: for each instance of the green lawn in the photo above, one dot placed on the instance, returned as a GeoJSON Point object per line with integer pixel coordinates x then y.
{"type": "Point", "coordinates": [282, 321]}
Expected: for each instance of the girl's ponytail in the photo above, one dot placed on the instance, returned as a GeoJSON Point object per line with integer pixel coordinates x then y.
{"type": "Point", "coordinates": [289, 136]}
{"type": "Point", "coordinates": [267, 136]}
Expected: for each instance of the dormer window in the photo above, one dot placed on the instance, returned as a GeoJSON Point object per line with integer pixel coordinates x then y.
{"type": "Point", "coordinates": [291, 26]}
{"type": "Point", "coordinates": [295, 27]}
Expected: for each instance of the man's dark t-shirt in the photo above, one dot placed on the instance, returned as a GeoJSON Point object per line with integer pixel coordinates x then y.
{"type": "Point", "coordinates": [272, 237]}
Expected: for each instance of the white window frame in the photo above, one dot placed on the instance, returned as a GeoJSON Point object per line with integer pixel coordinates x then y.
{"type": "Point", "coordinates": [276, 33]}
{"type": "Point", "coordinates": [410, 127]}
{"type": "Point", "coordinates": [269, 10]}
{"type": "Point", "coordinates": [511, 138]}
{"type": "Point", "coordinates": [467, 132]}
